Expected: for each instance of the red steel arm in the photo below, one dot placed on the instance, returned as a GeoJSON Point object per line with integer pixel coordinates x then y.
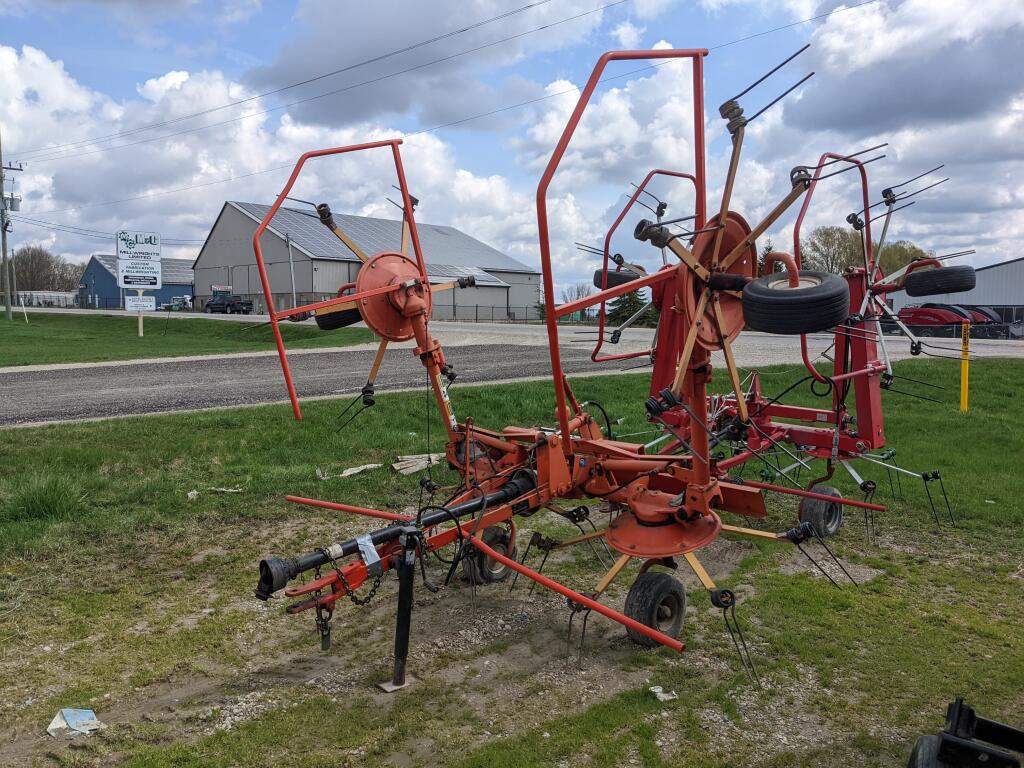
{"type": "Point", "coordinates": [549, 172]}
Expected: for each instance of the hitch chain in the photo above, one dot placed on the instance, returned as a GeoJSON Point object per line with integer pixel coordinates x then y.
{"type": "Point", "coordinates": [348, 589]}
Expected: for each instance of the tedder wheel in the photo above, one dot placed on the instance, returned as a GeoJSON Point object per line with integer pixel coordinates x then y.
{"type": "Point", "coordinates": [821, 301]}
{"type": "Point", "coordinates": [657, 600]}
{"type": "Point", "coordinates": [334, 320]}
{"type": "Point", "coordinates": [825, 516]}
{"type": "Point", "coordinates": [481, 569]}
{"type": "Point", "coordinates": [933, 282]}
{"type": "Point", "coordinates": [925, 753]}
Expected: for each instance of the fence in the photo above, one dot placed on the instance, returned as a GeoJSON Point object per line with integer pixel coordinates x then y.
{"type": "Point", "coordinates": [58, 299]}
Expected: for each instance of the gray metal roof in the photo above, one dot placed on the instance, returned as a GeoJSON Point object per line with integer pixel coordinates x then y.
{"type": "Point", "coordinates": [442, 246]}
{"type": "Point", "coordinates": [175, 271]}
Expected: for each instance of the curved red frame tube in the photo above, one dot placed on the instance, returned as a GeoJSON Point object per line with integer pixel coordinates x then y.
{"type": "Point", "coordinates": [697, 55]}
{"type": "Point", "coordinates": [800, 220]}
{"type": "Point", "coordinates": [595, 355]}
{"type": "Point", "coordinates": [276, 316]}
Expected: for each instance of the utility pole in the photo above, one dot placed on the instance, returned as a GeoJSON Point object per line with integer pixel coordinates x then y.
{"type": "Point", "coordinates": [4, 224]}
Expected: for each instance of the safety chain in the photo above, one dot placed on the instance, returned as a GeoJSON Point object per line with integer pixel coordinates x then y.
{"type": "Point", "coordinates": [348, 589]}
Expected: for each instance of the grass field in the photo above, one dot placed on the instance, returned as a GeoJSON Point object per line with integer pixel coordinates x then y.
{"type": "Point", "coordinates": [76, 338]}
{"type": "Point", "coordinates": [119, 593]}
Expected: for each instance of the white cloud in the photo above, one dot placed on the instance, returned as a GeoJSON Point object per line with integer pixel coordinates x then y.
{"type": "Point", "coordinates": [237, 11]}
{"type": "Point", "coordinates": [628, 34]}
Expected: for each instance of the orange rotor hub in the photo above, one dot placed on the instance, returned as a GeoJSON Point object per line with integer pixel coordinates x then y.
{"type": "Point", "coordinates": [666, 538]}
{"type": "Point", "coordinates": [384, 314]}
{"type": "Point", "coordinates": [690, 289]}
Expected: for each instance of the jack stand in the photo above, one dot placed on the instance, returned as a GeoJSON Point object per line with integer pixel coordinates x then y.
{"type": "Point", "coordinates": [406, 568]}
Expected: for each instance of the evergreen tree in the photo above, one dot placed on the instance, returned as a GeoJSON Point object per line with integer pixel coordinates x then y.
{"type": "Point", "coordinates": [624, 307]}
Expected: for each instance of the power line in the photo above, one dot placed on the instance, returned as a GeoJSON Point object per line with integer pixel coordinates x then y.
{"type": "Point", "coordinates": [472, 117]}
{"type": "Point", "coordinates": [85, 232]}
{"type": "Point", "coordinates": [307, 81]}
{"type": "Point", "coordinates": [372, 81]}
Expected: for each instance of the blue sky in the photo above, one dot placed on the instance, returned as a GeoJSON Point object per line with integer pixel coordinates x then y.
{"type": "Point", "coordinates": [936, 79]}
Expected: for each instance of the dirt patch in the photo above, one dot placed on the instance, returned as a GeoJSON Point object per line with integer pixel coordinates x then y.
{"type": "Point", "coordinates": [798, 563]}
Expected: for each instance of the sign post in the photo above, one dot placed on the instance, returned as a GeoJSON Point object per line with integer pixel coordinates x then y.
{"type": "Point", "coordinates": [965, 362]}
{"type": "Point", "coordinates": [138, 268]}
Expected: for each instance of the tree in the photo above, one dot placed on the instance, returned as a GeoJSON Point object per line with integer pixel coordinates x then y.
{"type": "Point", "coordinates": [833, 249]}
{"type": "Point", "coordinates": [769, 246]}
{"type": "Point", "coordinates": [624, 307]}
{"type": "Point", "coordinates": [39, 270]}
{"type": "Point", "coordinates": [899, 254]}
{"type": "Point", "coordinates": [575, 293]}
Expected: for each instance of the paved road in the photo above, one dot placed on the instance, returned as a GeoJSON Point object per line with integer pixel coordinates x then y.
{"type": "Point", "coordinates": [479, 353]}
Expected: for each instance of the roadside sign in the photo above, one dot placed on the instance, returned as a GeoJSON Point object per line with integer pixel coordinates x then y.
{"type": "Point", "coordinates": [138, 246]}
{"type": "Point", "coordinates": [141, 275]}
{"type": "Point", "coordinates": [140, 303]}
{"type": "Point", "coordinates": [138, 268]}
{"type": "Point", "coordinates": [138, 260]}
{"type": "Point", "coordinates": [215, 289]}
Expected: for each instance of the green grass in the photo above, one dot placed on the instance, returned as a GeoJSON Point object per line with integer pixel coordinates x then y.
{"type": "Point", "coordinates": [77, 338]}
{"type": "Point", "coordinates": [107, 560]}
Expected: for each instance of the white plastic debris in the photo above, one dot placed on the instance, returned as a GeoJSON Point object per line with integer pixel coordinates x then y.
{"type": "Point", "coordinates": [74, 722]}
{"type": "Point", "coordinates": [224, 490]}
{"type": "Point", "coordinates": [660, 695]}
{"type": "Point", "coordinates": [192, 494]}
{"type": "Point", "coordinates": [321, 475]}
{"type": "Point", "coordinates": [406, 465]}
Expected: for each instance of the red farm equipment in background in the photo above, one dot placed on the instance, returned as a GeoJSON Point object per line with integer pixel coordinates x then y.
{"type": "Point", "coordinates": [666, 499]}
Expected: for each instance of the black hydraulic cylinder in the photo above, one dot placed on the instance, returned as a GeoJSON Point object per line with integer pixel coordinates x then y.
{"type": "Point", "coordinates": [276, 572]}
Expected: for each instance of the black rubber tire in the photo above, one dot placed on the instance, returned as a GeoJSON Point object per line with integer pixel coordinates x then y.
{"type": "Point", "coordinates": [925, 753]}
{"type": "Point", "coordinates": [481, 569]}
{"type": "Point", "coordinates": [657, 600]}
{"type": "Point", "coordinates": [771, 306]}
{"type": "Point", "coordinates": [615, 278]}
{"type": "Point", "coordinates": [933, 282]}
{"type": "Point", "coordinates": [338, 319]}
{"type": "Point", "coordinates": [825, 516]}
{"type": "Point", "coordinates": [208, 310]}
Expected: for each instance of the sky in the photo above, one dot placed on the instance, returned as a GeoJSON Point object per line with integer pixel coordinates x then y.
{"type": "Point", "coordinates": [148, 116]}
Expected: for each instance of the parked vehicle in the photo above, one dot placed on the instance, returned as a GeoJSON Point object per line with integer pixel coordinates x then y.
{"type": "Point", "coordinates": [932, 319]}
{"type": "Point", "coordinates": [228, 305]}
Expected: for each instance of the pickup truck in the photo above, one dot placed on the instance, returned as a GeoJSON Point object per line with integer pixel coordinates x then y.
{"type": "Point", "coordinates": [228, 305]}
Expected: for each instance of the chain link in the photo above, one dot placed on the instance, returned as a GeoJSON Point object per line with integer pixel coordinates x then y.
{"type": "Point", "coordinates": [348, 588]}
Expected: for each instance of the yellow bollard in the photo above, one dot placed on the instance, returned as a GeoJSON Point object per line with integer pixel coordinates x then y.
{"type": "Point", "coordinates": [965, 349]}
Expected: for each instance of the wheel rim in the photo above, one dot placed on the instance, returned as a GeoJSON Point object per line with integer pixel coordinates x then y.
{"type": "Point", "coordinates": [832, 517]}
{"type": "Point", "coordinates": [806, 281]}
{"type": "Point", "coordinates": [668, 610]}
{"type": "Point", "coordinates": [495, 567]}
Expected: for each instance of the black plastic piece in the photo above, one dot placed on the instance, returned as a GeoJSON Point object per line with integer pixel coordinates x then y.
{"type": "Point", "coordinates": [326, 217]}
{"type": "Point", "coordinates": [727, 281]}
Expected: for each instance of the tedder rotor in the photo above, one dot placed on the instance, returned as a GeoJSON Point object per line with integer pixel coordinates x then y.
{"type": "Point", "coordinates": [666, 500]}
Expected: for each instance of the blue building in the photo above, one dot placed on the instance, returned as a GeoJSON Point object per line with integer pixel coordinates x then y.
{"type": "Point", "coordinates": [98, 287]}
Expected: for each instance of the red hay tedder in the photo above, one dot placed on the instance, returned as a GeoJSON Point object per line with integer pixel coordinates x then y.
{"type": "Point", "coordinates": [665, 499]}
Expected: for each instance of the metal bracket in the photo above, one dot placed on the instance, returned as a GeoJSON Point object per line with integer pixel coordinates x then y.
{"type": "Point", "coordinates": [368, 552]}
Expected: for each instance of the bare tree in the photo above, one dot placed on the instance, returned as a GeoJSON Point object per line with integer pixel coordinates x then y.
{"type": "Point", "coordinates": [576, 292]}
{"type": "Point", "coordinates": [40, 270]}
{"type": "Point", "coordinates": [833, 249]}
